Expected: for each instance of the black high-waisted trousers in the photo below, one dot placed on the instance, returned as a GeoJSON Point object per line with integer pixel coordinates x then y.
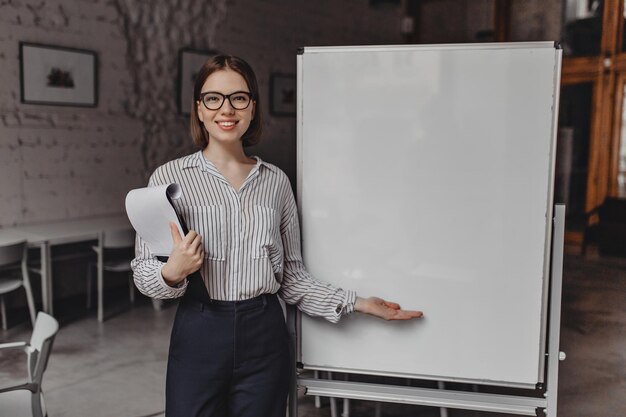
{"type": "Point", "coordinates": [228, 359]}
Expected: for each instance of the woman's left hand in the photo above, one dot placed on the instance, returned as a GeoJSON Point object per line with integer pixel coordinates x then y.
{"type": "Point", "coordinates": [385, 309]}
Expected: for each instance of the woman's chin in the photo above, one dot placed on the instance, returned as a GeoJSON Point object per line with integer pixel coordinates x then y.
{"type": "Point", "coordinates": [226, 140]}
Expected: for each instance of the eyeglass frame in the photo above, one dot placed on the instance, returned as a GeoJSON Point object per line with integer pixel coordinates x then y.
{"type": "Point", "coordinates": [224, 98]}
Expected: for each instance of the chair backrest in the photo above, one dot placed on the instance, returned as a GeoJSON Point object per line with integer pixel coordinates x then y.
{"type": "Point", "coordinates": [12, 253]}
{"type": "Point", "coordinates": [46, 328]}
{"type": "Point", "coordinates": [117, 239]}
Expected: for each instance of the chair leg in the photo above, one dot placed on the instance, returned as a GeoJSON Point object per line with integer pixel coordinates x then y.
{"type": "Point", "coordinates": [29, 294]}
{"type": "Point", "coordinates": [38, 410]}
{"type": "Point", "coordinates": [3, 311]}
{"type": "Point", "coordinates": [131, 285]}
{"type": "Point", "coordinates": [100, 288]}
{"type": "Point", "coordinates": [157, 305]}
{"type": "Point", "coordinates": [89, 279]}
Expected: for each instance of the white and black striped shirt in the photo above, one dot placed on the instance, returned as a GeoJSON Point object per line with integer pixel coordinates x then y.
{"type": "Point", "coordinates": [251, 239]}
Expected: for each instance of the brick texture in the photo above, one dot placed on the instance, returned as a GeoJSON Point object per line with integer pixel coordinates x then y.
{"type": "Point", "coordinates": [70, 162]}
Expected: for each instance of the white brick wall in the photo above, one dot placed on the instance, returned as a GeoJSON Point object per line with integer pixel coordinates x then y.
{"type": "Point", "coordinates": [70, 162]}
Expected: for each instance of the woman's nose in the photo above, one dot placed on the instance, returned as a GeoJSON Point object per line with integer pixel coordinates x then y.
{"type": "Point", "coordinates": [227, 108]}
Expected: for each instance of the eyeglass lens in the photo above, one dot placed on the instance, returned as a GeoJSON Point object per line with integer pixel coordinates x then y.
{"type": "Point", "coordinates": [214, 101]}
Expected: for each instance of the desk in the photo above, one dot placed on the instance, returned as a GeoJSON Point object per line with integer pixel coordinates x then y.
{"type": "Point", "coordinates": [46, 235]}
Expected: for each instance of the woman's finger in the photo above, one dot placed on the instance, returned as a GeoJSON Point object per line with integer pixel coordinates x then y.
{"type": "Point", "coordinates": [176, 237]}
{"type": "Point", "coordinates": [195, 243]}
{"type": "Point", "coordinates": [407, 315]}
{"type": "Point", "coordinates": [189, 237]}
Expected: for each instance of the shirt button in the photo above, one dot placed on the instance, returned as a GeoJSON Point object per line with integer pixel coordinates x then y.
{"type": "Point", "coordinates": [338, 309]}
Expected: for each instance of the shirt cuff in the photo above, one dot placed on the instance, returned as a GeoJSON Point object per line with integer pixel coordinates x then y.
{"type": "Point", "coordinates": [347, 305]}
{"type": "Point", "coordinates": [349, 302]}
{"type": "Point", "coordinates": [176, 291]}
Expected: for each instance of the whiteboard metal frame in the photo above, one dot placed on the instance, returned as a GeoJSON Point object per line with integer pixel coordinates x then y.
{"type": "Point", "coordinates": [426, 47]}
{"type": "Point", "coordinates": [549, 206]}
{"type": "Point", "coordinates": [549, 212]}
{"type": "Point", "coordinates": [514, 404]}
{"type": "Point", "coordinates": [487, 382]}
{"type": "Point", "coordinates": [553, 267]}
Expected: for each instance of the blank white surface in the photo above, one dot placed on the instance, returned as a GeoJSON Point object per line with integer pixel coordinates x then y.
{"type": "Point", "coordinates": [425, 178]}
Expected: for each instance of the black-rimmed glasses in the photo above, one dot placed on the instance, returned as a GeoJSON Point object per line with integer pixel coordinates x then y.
{"type": "Point", "coordinates": [239, 100]}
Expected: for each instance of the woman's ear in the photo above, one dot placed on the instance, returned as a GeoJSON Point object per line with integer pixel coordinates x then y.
{"type": "Point", "coordinates": [253, 108]}
{"type": "Point", "coordinates": [199, 111]}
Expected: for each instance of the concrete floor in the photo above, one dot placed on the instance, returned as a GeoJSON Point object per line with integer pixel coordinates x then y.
{"type": "Point", "coordinates": [118, 368]}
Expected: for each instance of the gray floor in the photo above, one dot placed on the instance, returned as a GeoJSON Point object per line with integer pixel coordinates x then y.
{"type": "Point", "coordinates": [117, 368]}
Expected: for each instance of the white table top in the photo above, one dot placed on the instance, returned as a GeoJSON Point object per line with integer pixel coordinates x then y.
{"type": "Point", "coordinates": [67, 231]}
{"type": "Point", "coordinates": [10, 236]}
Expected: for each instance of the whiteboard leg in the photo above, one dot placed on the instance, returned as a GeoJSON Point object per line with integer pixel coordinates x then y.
{"type": "Point", "coordinates": [346, 403]}
{"type": "Point", "coordinates": [443, 412]}
{"type": "Point", "coordinates": [333, 400]}
{"type": "Point", "coordinates": [556, 287]}
{"type": "Point", "coordinates": [333, 407]}
{"type": "Point", "coordinates": [318, 402]}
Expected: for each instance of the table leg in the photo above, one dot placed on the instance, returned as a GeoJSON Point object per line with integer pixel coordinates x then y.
{"type": "Point", "coordinates": [100, 277]}
{"type": "Point", "coordinates": [46, 279]}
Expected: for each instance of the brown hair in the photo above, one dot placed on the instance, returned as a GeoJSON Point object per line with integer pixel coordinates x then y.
{"type": "Point", "coordinates": [217, 63]}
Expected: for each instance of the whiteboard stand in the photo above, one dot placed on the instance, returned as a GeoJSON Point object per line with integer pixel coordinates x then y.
{"type": "Point", "coordinates": [514, 404]}
{"type": "Point", "coordinates": [443, 412]}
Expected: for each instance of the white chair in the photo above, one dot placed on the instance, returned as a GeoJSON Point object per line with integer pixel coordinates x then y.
{"type": "Point", "coordinates": [26, 399]}
{"type": "Point", "coordinates": [114, 253]}
{"type": "Point", "coordinates": [14, 257]}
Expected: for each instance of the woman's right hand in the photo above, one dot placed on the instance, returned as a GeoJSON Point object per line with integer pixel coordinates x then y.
{"type": "Point", "coordinates": [186, 257]}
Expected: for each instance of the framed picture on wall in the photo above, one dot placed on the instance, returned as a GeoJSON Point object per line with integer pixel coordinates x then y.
{"type": "Point", "coordinates": [282, 95]}
{"type": "Point", "coordinates": [59, 76]}
{"type": "Point", "coordinates": [189, 63]}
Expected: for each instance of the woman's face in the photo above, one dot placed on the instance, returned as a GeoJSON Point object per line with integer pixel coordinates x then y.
{"type": "Point", "coordinates": [227, 124]}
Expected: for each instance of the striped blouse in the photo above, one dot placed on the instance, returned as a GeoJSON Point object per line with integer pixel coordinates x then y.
{"type": "Point", "coordinates": [251, 239]}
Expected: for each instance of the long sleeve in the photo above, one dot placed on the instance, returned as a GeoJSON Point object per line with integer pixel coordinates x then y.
{"type": "Point", "coordinates": [147, 268]}
{"type": "Point", "coordinates": [298, 286]}
{"type": "Point", "coordinates": [251, 239]}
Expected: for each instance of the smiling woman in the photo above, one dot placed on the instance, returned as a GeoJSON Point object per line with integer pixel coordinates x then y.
{"type": "Point", "coordinates": [230, 356]}
{"type": "Point", "coordinates": [221, 73]}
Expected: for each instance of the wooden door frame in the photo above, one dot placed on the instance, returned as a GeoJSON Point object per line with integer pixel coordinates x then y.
{"type": "Point", "coordinates": [607, 72]}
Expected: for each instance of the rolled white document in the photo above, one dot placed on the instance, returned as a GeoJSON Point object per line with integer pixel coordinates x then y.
{"type": "Point", "coordinates": [150, 211]}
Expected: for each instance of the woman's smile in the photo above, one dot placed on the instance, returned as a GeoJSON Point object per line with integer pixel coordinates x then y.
{"type": "Point", "coordinates": [227, 124]}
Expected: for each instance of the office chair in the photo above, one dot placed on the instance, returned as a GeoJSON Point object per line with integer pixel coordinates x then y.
{"type": "Point", "coordinates": [14, 256]}
{"type": "Point", "coordinates": [27, 399]}
{"type": "Point", "coordinates": [114, 252]}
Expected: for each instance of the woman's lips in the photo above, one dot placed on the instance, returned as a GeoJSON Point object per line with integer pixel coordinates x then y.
{"type": "Point", "coordinates": [227, 125]}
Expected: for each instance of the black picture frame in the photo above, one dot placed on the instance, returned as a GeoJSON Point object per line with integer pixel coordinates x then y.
{"type": "Point", "coordinates": [282, 95]}
{"type": "Point", "coordinates": [57, 75]}
{"type": "Point", "coordinates": [189, 62]}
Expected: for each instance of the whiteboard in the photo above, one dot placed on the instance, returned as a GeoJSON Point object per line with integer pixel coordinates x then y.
{"type": "Point", "coordinates": [425, 177]}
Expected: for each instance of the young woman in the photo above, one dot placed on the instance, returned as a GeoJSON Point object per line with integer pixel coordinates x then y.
{"type": "Point", "coordinates": [230, 356]}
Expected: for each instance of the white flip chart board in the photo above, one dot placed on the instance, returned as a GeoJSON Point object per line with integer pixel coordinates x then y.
{"type": "Point", "coordinates": [425, 177]}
